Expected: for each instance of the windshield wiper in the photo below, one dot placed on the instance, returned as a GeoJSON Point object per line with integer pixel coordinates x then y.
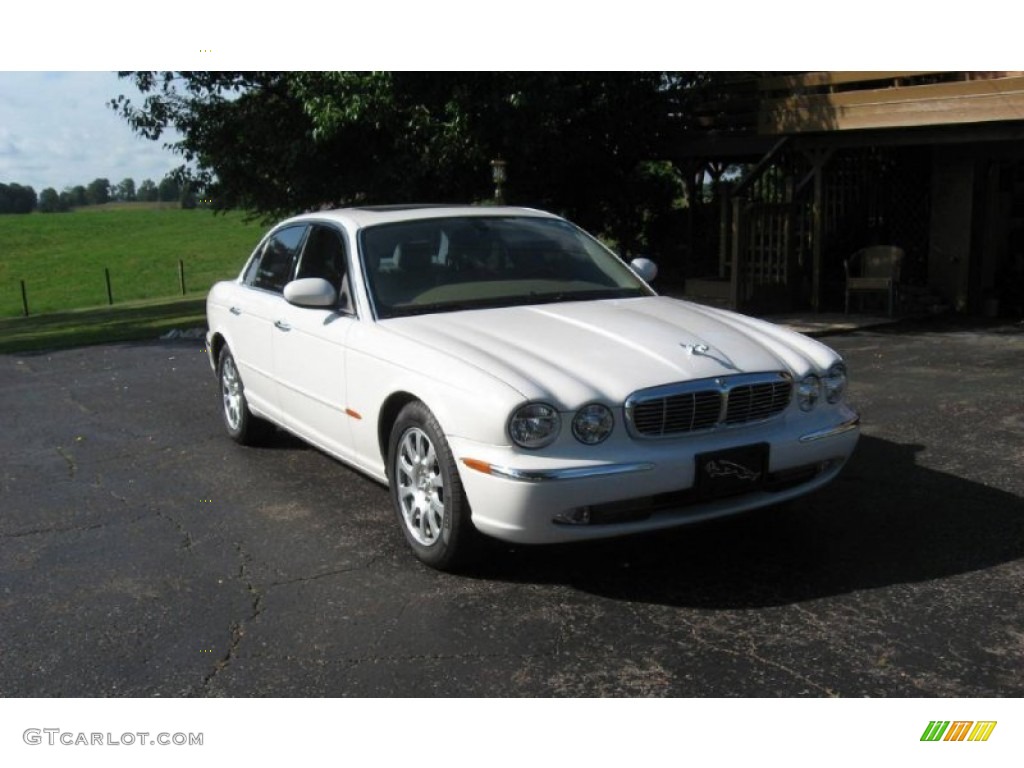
{"type": "Point", "coordinates": [408, 310]}
{"type": "Point", "coordinates": [451, 306]}
{"type": "Point", "coordinates": [602, 293]}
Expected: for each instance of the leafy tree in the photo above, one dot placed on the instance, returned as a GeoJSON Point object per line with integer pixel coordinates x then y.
{"type": "Point", "coordinates": [51, 202]}
{"type": "Point", "coordinates": [188, 196]}
{"type": "Point", "coordinates": [76, 196]}
{"type": "Point", "coordinates": [126, 190]}
{"type": "Point", "coordinates": [277, 142]}
{"type": "Point", "coordinates": [98, 192]}
{"type": "Point", "coordinates": [15, 198]}
{"type": "Point", "coordinates": [148, 192]}
{"type": "Point", "coordinates": [169, 190]}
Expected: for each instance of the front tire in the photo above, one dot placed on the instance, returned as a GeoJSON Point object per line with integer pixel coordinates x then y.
{"type": "Point", "coordinates": [242, 426]}
{"type": "Point", "coordinates": [427, 492]}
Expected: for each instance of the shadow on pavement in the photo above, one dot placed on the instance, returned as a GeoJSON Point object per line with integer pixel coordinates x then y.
{"type": "Point", "coordinates": [950, 323]}
{"type": "Point", "coordinates": [886, 520]}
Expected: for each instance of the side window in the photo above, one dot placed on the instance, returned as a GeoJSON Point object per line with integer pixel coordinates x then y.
{"type": "Point", "coordinates": [250, 270]}
{"type": "Point", "coordinates": [275, 265]}
{"type": "Point", "coordinates": [323, 256]}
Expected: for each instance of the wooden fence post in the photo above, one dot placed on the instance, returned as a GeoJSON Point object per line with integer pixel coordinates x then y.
{"type": "Point", "coordinates": [736, 293]}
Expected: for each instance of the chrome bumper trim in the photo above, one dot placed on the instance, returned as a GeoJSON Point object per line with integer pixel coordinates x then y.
{"type": "Point", "coordinates": [569, 473]}
{"type": "Point", "coordinates": [822, 434]}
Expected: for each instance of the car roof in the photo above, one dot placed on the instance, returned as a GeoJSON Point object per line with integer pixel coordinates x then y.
{"type": "Point", "coordinates": [369, 216]}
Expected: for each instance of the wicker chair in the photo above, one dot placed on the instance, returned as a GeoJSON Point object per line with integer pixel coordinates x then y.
{"type": "Point", "coordinates": [874, 270]}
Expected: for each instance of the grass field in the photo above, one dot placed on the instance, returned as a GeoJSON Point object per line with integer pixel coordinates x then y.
{"type": "Point", "coordinates": [61, 256]}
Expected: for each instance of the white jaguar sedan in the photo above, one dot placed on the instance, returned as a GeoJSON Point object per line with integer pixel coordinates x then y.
{"type": "Point", "coordinates": [505, 374]}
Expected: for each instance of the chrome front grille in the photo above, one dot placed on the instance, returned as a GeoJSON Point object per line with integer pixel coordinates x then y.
{"type": "Point", "coordinates": [698, 406]}
{"type": "Point", "coordinates": [685, 412]}
{"type": "Point", "coordinates": [756, 402]}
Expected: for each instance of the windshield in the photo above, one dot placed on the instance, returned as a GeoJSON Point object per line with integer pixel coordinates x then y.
{"type": "Point", "coordinates": [470, 262]}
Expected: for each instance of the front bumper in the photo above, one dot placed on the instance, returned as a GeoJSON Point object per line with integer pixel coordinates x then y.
{"type": "Point", "coordinates": [533, 499]}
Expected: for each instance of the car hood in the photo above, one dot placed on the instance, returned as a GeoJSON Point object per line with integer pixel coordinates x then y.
{"type": "Point", "coordinates": [574, 352]}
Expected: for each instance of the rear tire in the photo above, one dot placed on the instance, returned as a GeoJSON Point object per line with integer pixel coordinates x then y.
{"type": "Point", "coordinates": [242, 426]}
{"type": "Point", "coordinates": [427, 492]}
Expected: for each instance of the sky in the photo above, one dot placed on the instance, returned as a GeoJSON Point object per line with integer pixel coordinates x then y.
{"type": "Point", "coordinates": [56, 130]}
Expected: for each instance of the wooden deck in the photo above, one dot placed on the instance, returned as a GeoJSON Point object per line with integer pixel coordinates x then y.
{"type": "Point", "coordinates": [893, 100]}
{"type": "Point", "coordinates": [822, 102]}
{"type": "Point", "coordinates": [832, 161]}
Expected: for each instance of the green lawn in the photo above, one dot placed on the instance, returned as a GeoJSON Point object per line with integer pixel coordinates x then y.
{"type": "Point", "coordinates": [61, 256]}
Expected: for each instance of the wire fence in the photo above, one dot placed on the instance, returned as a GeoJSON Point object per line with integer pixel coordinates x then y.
{"type": "Point", "coordinates": [99, 286]}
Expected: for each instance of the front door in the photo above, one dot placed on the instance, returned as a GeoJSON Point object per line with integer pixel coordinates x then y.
{"type": "Point", "coordinates": [310, 350]}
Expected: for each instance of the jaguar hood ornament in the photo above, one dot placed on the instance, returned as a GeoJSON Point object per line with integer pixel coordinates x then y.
{"type": "Point", "coordinates": [704, 350]}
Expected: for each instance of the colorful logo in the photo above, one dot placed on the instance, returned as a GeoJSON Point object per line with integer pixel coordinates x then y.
{"type": "Point", "coordinates": [959, 730]}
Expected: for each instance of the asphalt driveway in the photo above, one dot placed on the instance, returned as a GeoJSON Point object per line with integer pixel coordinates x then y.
{"type": "Point", "coordinates": [142, 553]}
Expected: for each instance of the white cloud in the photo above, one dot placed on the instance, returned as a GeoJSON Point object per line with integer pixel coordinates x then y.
{"type": "Point", "coordinates": [56, 130]}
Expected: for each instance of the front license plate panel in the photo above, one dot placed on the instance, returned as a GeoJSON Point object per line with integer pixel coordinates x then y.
{"type": "Point", "coordinates": [731, 472]}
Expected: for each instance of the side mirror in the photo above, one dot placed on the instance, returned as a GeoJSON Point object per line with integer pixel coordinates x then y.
{"type": "Point", "coordinates": [644, 268]}
{"type": "Point", "coordinates": [310, 292]}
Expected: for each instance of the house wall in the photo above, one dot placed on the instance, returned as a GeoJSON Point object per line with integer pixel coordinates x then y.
{"type": "Point", "coordinates": [952, 198]}
{"type": "Point", "coordinates": [997, 280]}
{"type": "Point", "coordinates": [991, 233]}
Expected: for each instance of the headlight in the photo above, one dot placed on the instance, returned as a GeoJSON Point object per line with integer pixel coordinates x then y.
{"type": "Point", "coordinates": [592, 423]}
{"type": "Point", "coordinates": [534, 425]}
{"type": "Point", "coordinates": [835, 383]}
{"type": "Point", "coordinates": [808, 392]}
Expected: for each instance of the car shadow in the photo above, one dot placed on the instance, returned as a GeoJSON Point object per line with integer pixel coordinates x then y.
{"type": "Point", "coordinates": [886, 520]}
{"type": "Point", "coordinates": [950, 323]}
{"type": "Point", "coordinates": [277, 439]}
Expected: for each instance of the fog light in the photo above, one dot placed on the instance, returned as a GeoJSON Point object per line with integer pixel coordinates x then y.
{"type": "Point", "coordinates": [579, 516]}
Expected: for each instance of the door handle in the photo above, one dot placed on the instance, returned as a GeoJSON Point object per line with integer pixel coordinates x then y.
{"type": "Point", "coordinates": [282, 325]}
{"type": "Point", "coordinates": [235, 310]}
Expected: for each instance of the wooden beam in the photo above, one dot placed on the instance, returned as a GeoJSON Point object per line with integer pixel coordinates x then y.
{"type": "Point", "coordinates": [824, 79]}
{"type": "Point", "coordinates": [817, 233]}
{"type": "Point", "coordinates": [970, 101]}
{"type": "Point", "coordinates": [734, 278]}
{"type": "Point", "coordinates": [818, 157]}
{"type": "Point", "coordinates": [1010, 135]}
{"type": "Point", "coordinates": [723, 228]}
{"type": "Point", "coordinates": [761, 167]}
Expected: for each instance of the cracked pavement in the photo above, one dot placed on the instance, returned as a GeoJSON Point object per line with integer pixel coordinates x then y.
{"type": "Point", "coordinates": [144, 554]}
